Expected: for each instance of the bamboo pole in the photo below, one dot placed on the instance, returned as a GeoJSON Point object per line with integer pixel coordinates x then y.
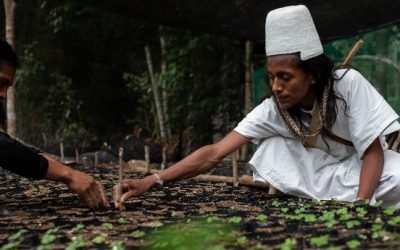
{"type": "Point", "coordinates": [235, 169]}
{"type": "Point", "coordinates": [147, 158]}
{"type": "Point", "coordinates": [243, 180]}
{"type": "Point", "coordinates": [164, 157]}
{"type": "Point", "coordinates": [62, 151]}
{"type": "Point", "coordinates": [119, 204]}
{"type": "Point", "coordinates": [352, 52]}
{"type": "Point", "coordinates": [96, 159]}
{"type": "Point", "coordinates": [77, 156]}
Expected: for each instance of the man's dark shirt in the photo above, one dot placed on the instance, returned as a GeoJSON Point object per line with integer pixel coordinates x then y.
{"type": "Point", "coordinates": [21, 159]}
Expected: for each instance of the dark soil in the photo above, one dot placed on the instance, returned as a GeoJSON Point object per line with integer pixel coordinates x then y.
{"type": "Point", "coordinates": [242, 218]}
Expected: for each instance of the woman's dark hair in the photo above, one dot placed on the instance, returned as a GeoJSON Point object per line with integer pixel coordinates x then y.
{"type": "Point", "coordinates": [321, 68]}
{"type": "Point", "coordinates": [7, 54]}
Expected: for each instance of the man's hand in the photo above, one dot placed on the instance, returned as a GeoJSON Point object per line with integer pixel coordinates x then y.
{"type": "Point", "coordinates": [88, 189]}
{"type": "Point", "coordinates": [132, 188]}
{"type": "Point", "coordinates": [83, 184]}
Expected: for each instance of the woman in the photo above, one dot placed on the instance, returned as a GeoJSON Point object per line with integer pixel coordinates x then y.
{"type": "Point", "coordinates": [320, 136]}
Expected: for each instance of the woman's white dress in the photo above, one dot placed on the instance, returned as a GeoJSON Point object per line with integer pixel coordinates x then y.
{"type": "Point", "coordinates": [286, 164]}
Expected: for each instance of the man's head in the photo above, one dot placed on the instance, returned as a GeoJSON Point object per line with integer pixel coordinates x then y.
{"type": "Point", "coordinates": [8, 65]}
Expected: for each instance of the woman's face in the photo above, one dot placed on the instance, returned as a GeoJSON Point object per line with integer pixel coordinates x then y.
{"type": "Point", "coordinates": [290, 84]}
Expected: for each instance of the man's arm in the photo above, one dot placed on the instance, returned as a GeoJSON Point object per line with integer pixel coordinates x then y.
{"type": "Point", "coordinates": [29, 162]}
{"type": "Point", "coordinates": [371, 170]}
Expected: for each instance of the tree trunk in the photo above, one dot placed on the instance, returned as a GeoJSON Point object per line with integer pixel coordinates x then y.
{"type": "Point", "coordinates": [164, 84]}
{"type": "Point", "coordinates": [248, 83]}
{"type": "Point", "coordinates": [9, 7]}
{"type": "Point", "coordinates": [156, 94]}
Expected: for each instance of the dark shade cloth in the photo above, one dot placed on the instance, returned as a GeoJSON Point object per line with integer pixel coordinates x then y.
{"type": "Point", "coordinates": [21, 159]}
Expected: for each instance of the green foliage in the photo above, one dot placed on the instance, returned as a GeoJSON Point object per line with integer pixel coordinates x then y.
{"type": "Point", "coordinates": [288, 244]}
{"type": "Point", "coordinates": [235, 219]}
{"type": "Point", "coordinates": [77, 242]}
{"type": "Point", "coordinates": [100, 238]}
{"type": "Point", "coordinates": [138, 234]}
{"type": "Point", "coordinates": [261, 217]}
{"type": "Point", "coordinates": [196, 235]}
{"type": "Point", "coordinates": [320, 241]}
{"type": "Point", "coordinates": [14, 240]}
{"type": "Point", "coordinates": [353, 244]}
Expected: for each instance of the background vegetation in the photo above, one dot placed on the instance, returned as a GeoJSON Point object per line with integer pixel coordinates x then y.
{"type": "Point", "coordinates": [84, 78]}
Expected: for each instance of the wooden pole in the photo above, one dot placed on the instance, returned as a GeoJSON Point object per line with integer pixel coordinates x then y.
{"type": "Point", "coordinates": [96, 159]}
{"type": "Point", "coordinates": [243, 180]}
{"type": "Point", "coordinates": [235, 169]}
{"type": "Point", "coordinates": [164, 157]}
{"type": "Point", "coordinates": [62, 151]}
{"type": "Point", "coordinates": [352, 52]}
{"type": "Point", "coordinates": [147, 158]}
{"type": "Point", "coordinates": [77, 156]}
{"type": "Point", "coordinates": [120, 206]}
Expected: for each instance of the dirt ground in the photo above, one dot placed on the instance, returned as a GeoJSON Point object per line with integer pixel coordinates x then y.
{"type": "Point", "coordinates": [186, 215]}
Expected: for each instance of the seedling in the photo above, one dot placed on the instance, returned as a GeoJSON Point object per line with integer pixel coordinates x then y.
{"type": "Point", "coordinates": [123, 221]}
{"type": "Point", "coordinates": [353, 244]}
{"type": "Point", "coordinates": [235, 219]}
{"type": "Point", "coordinates": [289, 244]}
{"type": "Point", "coordinates": [101, 238]}
{"type": "Point", "coordinates": [107, 225]}
{"type": "Point", "coordinates": [320, 241]}
{"type": "Point", "coordinates": [261, 217]}
{"type": "Point", "coordinates": [138, 234]}
{"type": "Point", "coordinates": [77, 242]}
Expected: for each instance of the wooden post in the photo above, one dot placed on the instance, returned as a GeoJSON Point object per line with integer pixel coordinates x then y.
{"type": "Point", "coordinates": [235, 169]}
{"type": "Point", "coordinates": [147, 158]}
{"type": "Point", "coordinates": [96, 159]}
{"type": "Point", "coordinates": [62, 151]}
{"type": "Point", "coordinates": [243, 180]}
{"type": "Point", "coordinates": [164, 157]}
{"type": "Point", "coordinates": [77, 156]}
{"type": "Point", "coordinates": [120, 206]}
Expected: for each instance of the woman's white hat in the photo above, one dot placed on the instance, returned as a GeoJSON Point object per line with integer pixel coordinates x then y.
{"type": "Point", "coordinates": [291, 29]}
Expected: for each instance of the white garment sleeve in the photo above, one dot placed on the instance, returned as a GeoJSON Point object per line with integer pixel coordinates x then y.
{"type": "Point", "coordinates": [262, 122]}
{"type": "Point", "coordinates": [368, 113]}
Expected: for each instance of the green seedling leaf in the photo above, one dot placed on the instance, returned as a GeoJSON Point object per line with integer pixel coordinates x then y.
{"type": "Point", "coordinates": [117, 245]}
{"type": "Point", "coordinates": [77, 228]}
{"type": "Point", "coordinates": [107, 225]}
{"type": "Point", "coordinates": [394, 221]}
{"type": "Point", "coordinates": [353, 244]}
{"type": "Point", "coordinates": [49, 236]}
{"type": "Point", "coordinates": [11, 245]}
{"type": "Point", "coordinates": [101, 238]}
{"type": "Point", "coordinates": [77, 242]}
{"type": "Point", "coordinates": [138, 234]}
{"type": "Point", "coordinates": [235, 219]}
{"type": "Point", "coordinates": [390, 210]}
{"type": "Point", "coordinates": [17, 235]}
{"type": "Point", "coordinates": [285, 210]}
{"type": "Point", "coordinates": [123, 221]}
{"type": "Point", "coordinates": [289, 244]}
{"type": "Point", "coordinates": [330, 224]}
{"type": "Point", "coordinates": [378, 203]}
{"type": "Point", "coordinates": [212, 219]}
{"type": "Point", "coordinates": [320, 241]}
{"type": "Point", "coordinates": [261, 217]}
{"type": "Point", "coordinates": [242, 240]}
{"type": "Point", "coordinates": [352, 223]}
{"type": "Point", "coordinates": [361, 212]}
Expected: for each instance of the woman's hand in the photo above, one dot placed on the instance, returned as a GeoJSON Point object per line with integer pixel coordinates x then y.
{"type": "Point", "coordinates": [132, 188]}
